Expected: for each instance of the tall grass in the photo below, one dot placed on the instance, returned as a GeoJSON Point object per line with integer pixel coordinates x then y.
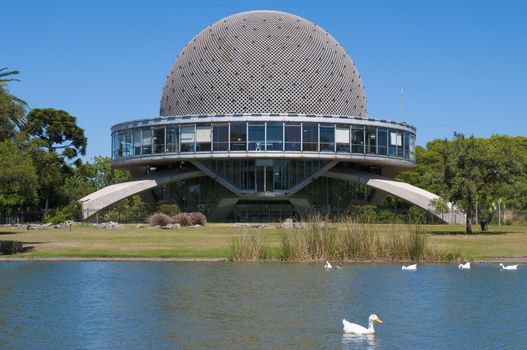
{"type": "Point", "coordinates": [351, 241]}
{"type": "Point", "coordinates": [250, 246]}
{"type": "Point", "coordinates": [346, 240]}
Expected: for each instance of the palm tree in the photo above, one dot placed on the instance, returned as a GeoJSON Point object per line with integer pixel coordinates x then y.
{"type": "Point", "coordinates": [3, 83]}
{"type": "Point", "coordinates": [12, 109]}
{"type": "Point", "coordinates": [6, 74]}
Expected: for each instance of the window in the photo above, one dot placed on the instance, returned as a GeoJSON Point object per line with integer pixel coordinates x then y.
{"type": "Point", "coordinates": [327, 138]}
{"type": "Point", "coordinates": [159, 140]}
{"type": "Point", "coordinates": [127, 144]}
{"type": "Point", "coordinates": [275, 137]}
{"type": "Point", "coordinates": [256, 137]}
{"type": "Point", "coordinates": [292, 137]}
{"type": "Point", "coordinates": [357, 139]}
{"type": "Point", "coordinates": [371, 140]}
{"type": "Point", "coordinates": [187, 138]}
{"type": "Point", "coordinates": [147, 141]}
{"type": "Point", "coordinates": [412, 147]}
{"type": "Point", "coordinates": [238, 136]}
{"type": "Point", "coordinates": [116, 145]}
{"type": "Point", "coordinates": [406, 143]}
{"type": "Point", "coordinates": [342, 138]}
{"type": "Point", "coordinates": [220, 137]}
{"type": "Point", "coordinates": [310, 137]}
{"type": "Point", "coordinates": [396, 141]}
{"type": "Point", "coordinates": [382, 142]}
{"type": "Point", "coordinates": [172, 139]}
{"type": "Point", "coordinates": [137, 142]}
{"type": "Point", "coordinates": [203, 138]}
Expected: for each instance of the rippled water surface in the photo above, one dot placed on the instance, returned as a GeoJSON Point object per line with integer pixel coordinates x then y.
{"type": "Point", "coordinates": [138, 305]}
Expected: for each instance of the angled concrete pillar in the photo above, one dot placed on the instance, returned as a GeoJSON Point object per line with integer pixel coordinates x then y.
{"type": "Point", "coordinates": [223, 209]}
{"type": "Point", "coordinates": [378, 197]}
{"type": "Point", "coordinates": [410, 193]}
{"type": "Point", "coordinates": [301, 206]}
{"type": "Point", "coordinates": [109, 195]}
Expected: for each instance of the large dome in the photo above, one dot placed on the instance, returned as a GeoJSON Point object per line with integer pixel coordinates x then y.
{"type": "Point", "coordinates": [263, 62]}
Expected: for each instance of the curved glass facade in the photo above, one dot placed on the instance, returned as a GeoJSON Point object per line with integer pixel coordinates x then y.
{"type": "Point", "coordinates": [264, 175]}
{"type": "Point", "coordinates": [263, 136]}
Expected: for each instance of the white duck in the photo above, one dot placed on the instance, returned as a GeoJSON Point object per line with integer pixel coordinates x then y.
{"type": "Point", "coordinates": [510, 267]}
{"type": "Point", "coordinates": [410, 267]}
{"type": "Point", "coordinates": [328, 266]}
{"type": "Point", "coordinates": [465, 266]}
{"type": "Point", "coordinates": [358, 329]}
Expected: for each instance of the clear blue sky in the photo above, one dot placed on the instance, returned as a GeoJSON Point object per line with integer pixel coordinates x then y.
{"type": "Point", "coordinates": [462, 64]}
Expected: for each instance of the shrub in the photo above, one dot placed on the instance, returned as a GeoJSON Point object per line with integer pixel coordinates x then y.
{"type": "Point", "coordinates": [198, 218]}
{"type": "Point", "coordinates": [170, 209]}
{"type": "Point", "coordinates": [72, 211]}
{"type": "Point", "coordinates": [184, 219]}
{"type": "Point", "coordinates": [159, 219]}
{"type": "Point", "coordinates": [10, 247]}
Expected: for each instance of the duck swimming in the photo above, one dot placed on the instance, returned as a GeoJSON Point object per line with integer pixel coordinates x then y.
{"type": "Point", "coordinates": [410, 267]}
{"type": "Point", "coordinates": [465, 266]}
{"type": "Point", "coordinates": [354, 328]}
{"type": "Point", "coordinates": [510, 267]}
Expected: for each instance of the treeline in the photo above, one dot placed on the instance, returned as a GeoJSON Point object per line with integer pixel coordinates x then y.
{"type": "Point", "coordinates": [41, 173]}
{"type": "Point", "coordinates": [478, 175]}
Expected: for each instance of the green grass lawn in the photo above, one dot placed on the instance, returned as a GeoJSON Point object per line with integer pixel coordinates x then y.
{"type": "Point", "coordinates": [504, 241]}
{"type": "Point", "coordinates": [214, 241]}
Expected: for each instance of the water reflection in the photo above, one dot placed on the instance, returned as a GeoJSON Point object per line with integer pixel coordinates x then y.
{"type": "Point", "coordinates": [358, 341]}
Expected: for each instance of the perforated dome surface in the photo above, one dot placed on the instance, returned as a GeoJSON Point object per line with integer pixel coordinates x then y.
{"type": "Point", "coordinates": [263, 62]}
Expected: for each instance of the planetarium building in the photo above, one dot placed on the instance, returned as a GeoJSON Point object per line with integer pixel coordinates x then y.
{"type": "Point", "coordinates": [263, 116]}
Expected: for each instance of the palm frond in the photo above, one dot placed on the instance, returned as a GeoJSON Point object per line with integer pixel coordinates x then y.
{"type": "Point", "coordinates": [6, 74]}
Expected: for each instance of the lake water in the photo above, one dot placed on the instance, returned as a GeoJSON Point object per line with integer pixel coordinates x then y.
{"type": "Point", "coordinates": [168, 305]}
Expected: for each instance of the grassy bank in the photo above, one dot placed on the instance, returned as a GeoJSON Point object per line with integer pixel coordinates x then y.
{"type": "Point", "coordinates": [219, 241]}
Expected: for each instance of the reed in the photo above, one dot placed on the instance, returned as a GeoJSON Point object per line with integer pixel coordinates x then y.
{"type": "Point", "coordinates": [348, 240]}
{"type": "Point", "coordinates": [250, 246]}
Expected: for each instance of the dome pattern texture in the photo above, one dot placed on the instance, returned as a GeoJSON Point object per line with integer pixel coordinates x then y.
{"type": "Point", "coordinates": [263, 62]}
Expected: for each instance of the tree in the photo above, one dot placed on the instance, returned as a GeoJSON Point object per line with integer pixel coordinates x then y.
{"type": "Point", "coordinates": [18, 179]}
{"type": "Point", "coordinates": [55, 139]}
{"type": "Point", "coordinates": [57, 130]}
{"type": "Point", "coordinates": [469, 171]}
{"type": "Point", "coordinates": [12, 109]}
{"type": "Point", "coordinates": [89, 177]}
{"type": "Point", "coordinates": [104, 175]}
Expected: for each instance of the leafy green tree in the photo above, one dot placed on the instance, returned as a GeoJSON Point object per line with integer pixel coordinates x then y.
{"type": "Point", "coordinates": [18, 179]}
{"type": "Point", "coordinates": [58, 132]}
{"type": "Point", "coordinates": [469, 171]}
{"type": "Point", "coordinates": [104, 175]}
{"type": "Point", "coordinates": [51, 172]}
{"type": "Point", "coordinates": [91, 176]}
{"type": "Point", "coordinates": [55, 138]}
{"type": "Point", "coordinates": [12, 109]}
{"type": "Point", "coordinates": [477, 167]}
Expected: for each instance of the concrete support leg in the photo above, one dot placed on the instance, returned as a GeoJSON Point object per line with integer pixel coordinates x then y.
{"type": "Point", "coordinates": [223, 209]}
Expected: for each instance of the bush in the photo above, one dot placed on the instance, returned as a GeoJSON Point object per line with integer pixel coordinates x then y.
{"type": "Point", "coordinates": [170, 209]}
{"type": "Point", "coordinates": [159, 219]}
{"type": "Point", "coordinates": [72, 212]}
{"type": "Point", "coordinates": [184, 219]}
{"type": "Point", "coordinates": [10, 247]}
{"type": "Point", "coordinates": [127, 210]}
{"type": "Point", "coordinates": [198, 218]}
